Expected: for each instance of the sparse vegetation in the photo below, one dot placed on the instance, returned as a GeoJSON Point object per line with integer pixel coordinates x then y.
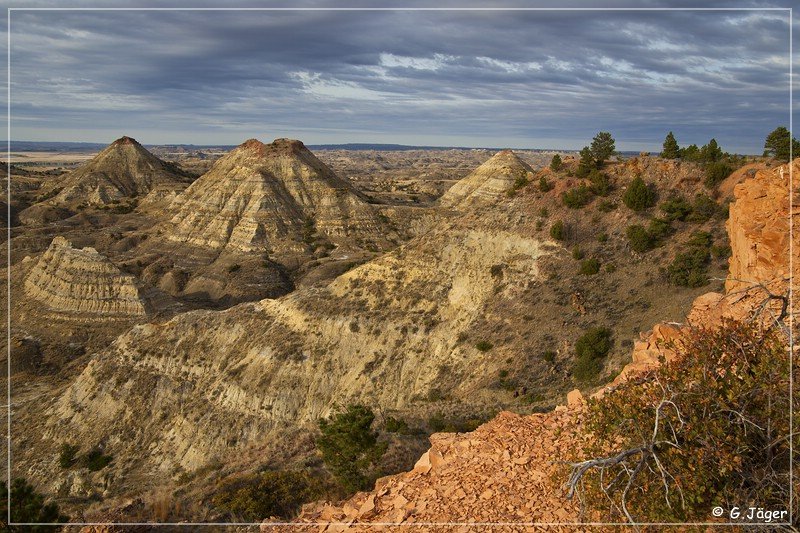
{"type": "Point", "coordinates": [544, 185]}
{"type": "Point", "coordinates": [606, 206]}
{"type": "Point", "coordinates": [556, 164]}
{"type": "Point", "coordinates": [549, 356]}
{"type": "Point", "coordinates": [273, 493]}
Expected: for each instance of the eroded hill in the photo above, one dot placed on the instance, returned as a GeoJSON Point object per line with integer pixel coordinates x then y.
{"type": "Point", "coordinates": [480, 312]}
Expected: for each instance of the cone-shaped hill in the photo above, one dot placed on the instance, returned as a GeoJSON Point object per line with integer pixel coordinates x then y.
{"type": "Point", "coordinates": [270, 195]}
{"type": "Point", "coordinates": [487, 182]}
{"type": "Point", "coordinates": [124, 169]}
{"type": "Point", "coordinates": [79, 283]}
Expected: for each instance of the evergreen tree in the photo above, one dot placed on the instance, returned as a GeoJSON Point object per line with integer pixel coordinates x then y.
{"type": "Point", "coordinates": [639, 196]}
{"type": "Point", "coordinates": [349, 447]}
{"type": "Point", "coordinates": [29, 506]}
{"type": "Point", "coordinates": [603, 147]}
{"type": "Point", "coordinates": [690, 153]}
{"type": "Point", "coordinates": [556, 164]}
{"type": "Point", "coordinates": [711, 152]}
{"type": "Point", "coordinates": [671, 149]}
{"type": "Point", "coordinates": [586, 163]}
{"type": "Point", "coordinates": [777, 145]}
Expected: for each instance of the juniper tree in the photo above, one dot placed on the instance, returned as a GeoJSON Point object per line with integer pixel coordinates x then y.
{"type": "Point", "coordinates": [777, 144]}
{"type": "Point", "coordinates": [670, 149]}
{"type": "Point", "coordinates": [603, 147]}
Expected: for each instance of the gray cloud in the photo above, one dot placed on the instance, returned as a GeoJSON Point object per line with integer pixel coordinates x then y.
{"type": "Point", "coordinates": [487, 78]}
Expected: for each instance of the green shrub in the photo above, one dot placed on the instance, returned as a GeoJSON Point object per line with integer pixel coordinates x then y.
{"type": "Point", "coordinates": [590, 266]}
{"type": "Point", "coordinates": [602, 237]}
{"type": "Point", "coordinates": [349, 447]}
{"type": "Point", "coordinates": [643, 240]}
{"type": "Point", "coordinates": [676, 207]}
{"type": "Point", "coordinates": [586, 163]}
{"type": "Point", "coordinates": [577, 253]}
{"type": "Point", "coordinates": [577, 197]}
{"type": "Point", "coordinates": [723, 431]}
{"type": "Point", "coordinates": [586, 369]}
{"type": "Point", "coordinates": [606, 206]}
{"type": "Point", "coordinates": [437, 423]}
{"type": "Point", "coordinates": [659, 228]}
{"type": "Point", "coordinates": [690, 153]}
{"type": "Point", "coordinates": [640, 240]}
{"type": "Point", "coordinates": [549, 356]}
{"type": "Point", "coordinates": [557, 231]}
{"type": "Point", "coordinates": [701, 239]}
{"type": "Point", "coordinates": [519, 183]}
{"type": "Point", "coordinates": [611, 268]}
{"type": "Point", "coordinates": [277, 493]}
{"type": "Point", "coordinates": [309, 230]}
{"type": "Point", "coordinates": [66, 455]}
{"type": "Point", "coordinates": [539, 225]}
{"type": "Point", "coordinates": [639, 195]}
{"type": "Point", "coordinates": [484, 346]}
{"type": "Point", "coordinates": [545, 185]}
{"type": "Point", "coordinates": [716, 173]}
{"type": "Point", "coordinates": [590, 349]}
{"type": "Point", "coordinates": [689, 268]}
{"type": "Point", "coordinates": [721, 251]}
{"type": "Point", "coordinates": [600, 183]}
{"type": "Point", "coordinates": [556, 164]}
{"type": "Point", "coordinates": [396, 425]}
{"type": "Point", "coordinates": [95, 459]}
{"type": "Point", "coordinates": [595, 343]}
{"type": "Point", "coordinates": [704, 208]}
{"type": "Point", "coordinates": [543, 212]}
{"type": "Point", "coordinates": [29, 507]}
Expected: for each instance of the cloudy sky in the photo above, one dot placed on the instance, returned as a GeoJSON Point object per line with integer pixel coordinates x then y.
{"type": "Point", "coordinates": [530, 79]}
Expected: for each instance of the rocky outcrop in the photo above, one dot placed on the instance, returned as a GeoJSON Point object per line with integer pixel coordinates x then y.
{"type": "Point", "coordinates": [759, 228]}
{"type": "Point", "coordinates": [488, 182]}
{"type": "Point", "coordinates": [269, 196]}
{"type": "Point", "coordinates": [80, 282]}
{"type": "Point", "coordinates": [125, 169]}
{"type": "Point", "coordinates": [497, 473]}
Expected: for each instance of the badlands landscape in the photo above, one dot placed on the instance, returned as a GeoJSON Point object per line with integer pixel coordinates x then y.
{"type": "Point", "coordinates": [347, 337]}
